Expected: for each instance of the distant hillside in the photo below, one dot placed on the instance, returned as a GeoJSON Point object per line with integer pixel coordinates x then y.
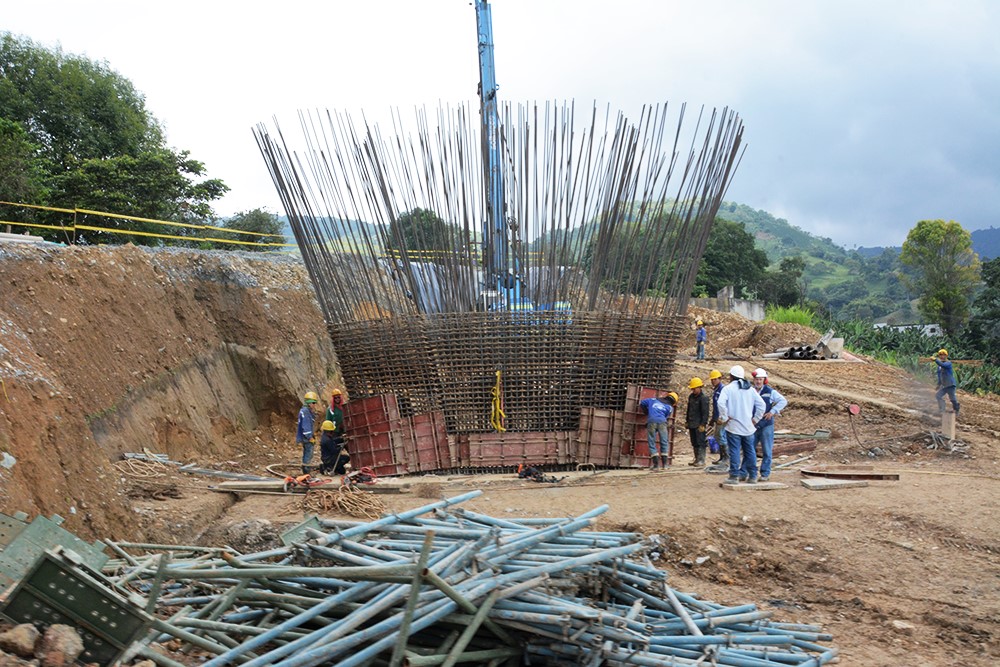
{"type": "Point", "coordinates": [986, 243]}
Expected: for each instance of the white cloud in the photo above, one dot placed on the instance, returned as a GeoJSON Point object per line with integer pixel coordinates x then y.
{"type": "Point", "coordinates": [861, 117]}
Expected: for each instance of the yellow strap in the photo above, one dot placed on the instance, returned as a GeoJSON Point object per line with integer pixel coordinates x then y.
{"type": "Point", "coordinates": [498, 416]}
{"type": "Point", "coordinates": [154, 221]}
{"type": "Point", "coordinates": [44, 208]}
{"type": "Point", "coordinates": [28, 224]}
{"type": "Point", "coordinates": [176, 238]}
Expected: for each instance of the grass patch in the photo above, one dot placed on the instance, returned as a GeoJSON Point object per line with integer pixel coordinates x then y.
{"type": "Point", "coordinates": [790, 315]}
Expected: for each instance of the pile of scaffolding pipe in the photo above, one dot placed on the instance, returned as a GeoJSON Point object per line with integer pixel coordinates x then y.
{"type": "Point", "coordinates": [801, 352]}
{"type": "Point", "coordinates": [440, 585]}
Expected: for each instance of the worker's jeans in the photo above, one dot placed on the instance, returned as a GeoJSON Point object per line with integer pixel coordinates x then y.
{"type": "Point", "coordinates": [741, 444]}
{"type": "Point", "coordinates": [307, 454]}
{"type": "Point", "coordinates": [765, 436]}
{"type": "Point", "coordinates": [701, 351]}
{"type": "Point", "coordinates": [950, 391]}
{"type": "Point", "coordinates": [652, 428]}
{"type": "Point", "coordinates": [720, 437]}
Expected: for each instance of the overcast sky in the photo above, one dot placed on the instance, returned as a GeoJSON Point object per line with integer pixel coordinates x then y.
{"type": "Point", "coordinates": [861, 117]}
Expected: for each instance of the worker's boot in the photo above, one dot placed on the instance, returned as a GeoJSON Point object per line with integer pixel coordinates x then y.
{"type": "Point", "coordinates": [663, 463]}
{"type": "Point", "coordinates": [699, 459]}
{"type": "Point", "coordinates": [723, 457]}
{"type": "Point", "coordinates": [653, 462]}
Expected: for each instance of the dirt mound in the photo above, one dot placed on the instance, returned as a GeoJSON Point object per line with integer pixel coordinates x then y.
{"type": "Point", "coordinates": [732, 335]}
{"type": "Point", "coordinates": [108, 350]}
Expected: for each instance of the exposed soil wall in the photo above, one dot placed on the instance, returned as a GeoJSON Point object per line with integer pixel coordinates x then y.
{"type": "Point", "coordinates": [112, 350]}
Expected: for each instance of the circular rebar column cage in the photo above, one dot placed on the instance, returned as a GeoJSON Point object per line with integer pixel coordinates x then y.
{"type": "Point", "coordinates": [606, 222]}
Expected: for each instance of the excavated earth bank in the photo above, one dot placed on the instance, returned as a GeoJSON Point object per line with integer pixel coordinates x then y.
{"type": "Point", "coordinates": [110, 350]}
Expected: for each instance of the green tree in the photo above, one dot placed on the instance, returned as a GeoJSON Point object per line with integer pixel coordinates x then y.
{"type": "Point", "coordinates": [983, 330]}
{"type": "Point", "coordinates": [72, 107]}
{"type": "Point", "coordinates": [96, 145]}
{"type": "Point", "coordinates": [731, 258]}
{"type": "Point", "coordinates": [945, 271]}
{"type": "Point", "coordinates": [258, 221]}
{"type": "Point", "coordinates": [784, 286]}
{"type": "Point", "coordinates": [419, 230]}
{"type": "Point", "coordinates": [21, 170]}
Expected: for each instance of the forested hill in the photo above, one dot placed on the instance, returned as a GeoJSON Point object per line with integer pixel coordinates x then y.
{"type": "Point", "coordinates": [777, 237]}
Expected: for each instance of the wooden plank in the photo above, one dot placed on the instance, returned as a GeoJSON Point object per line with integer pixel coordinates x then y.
{"type": "Point", "coordinates": [760, 486]}
{"type": "Point", "coordinates": [793, 447]}
{"type": "Point", "coordinates": [822, 484]}
{"type": "Point", "coordinates": [847, 472]}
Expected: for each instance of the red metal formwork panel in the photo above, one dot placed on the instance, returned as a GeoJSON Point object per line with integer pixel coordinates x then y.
{"type": "Point", "coordinates": [362, 414]}
{"type": "Point", "coordinates": [431, 448]}
{"type": "Point", "coordinates": [374, 451]}
{"type": "Point", "coordinates": [581, 448]}
{"type": "Point", "coordinates": [444, 448]}
{"type": "Point", "coordinates": [458, 447]}
{"type": "Point", "coordinates": [390, 403]}
{"type": "Point", "coordinates": [594, 441]}
{"type": "Point", "coordinates": [485, 450]}
{"type": "Point", "coordinates": [404, 453]}
{"type": "Point", "coordinates": [617, 442]}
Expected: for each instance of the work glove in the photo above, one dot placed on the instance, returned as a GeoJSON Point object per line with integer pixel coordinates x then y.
{"type": "Point", "coordinates": [701, 429]}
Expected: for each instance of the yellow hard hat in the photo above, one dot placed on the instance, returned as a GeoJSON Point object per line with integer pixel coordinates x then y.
{"type": "Point", "coordinates": [699, 322]}
{"type": "Point", "coordinates": [311, 397]}
{"type": "Point", "coordinates": [336, 392]}
{"type": "Point", "coordinates": [695, 383]}
{"type": "Point", "coordinates": [673, 395]}
{"type": "Point", "coordinates": [942, 351]}
{"type": "Point", "coordinates": [714, 374]}
{"type": "Point", "coordinates": [328, 426]}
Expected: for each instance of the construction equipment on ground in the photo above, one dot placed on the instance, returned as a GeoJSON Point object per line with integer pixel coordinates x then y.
{"type": "Point", "coordinates": [554, 244]}
{"type": "Point", "coordinates": [434, 585]}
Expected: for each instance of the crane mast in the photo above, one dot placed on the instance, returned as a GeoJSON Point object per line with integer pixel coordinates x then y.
{"type": "Point", "coordinates": [502, 285]}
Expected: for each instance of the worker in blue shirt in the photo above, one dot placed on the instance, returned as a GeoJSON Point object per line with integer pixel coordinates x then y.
{"type": "Point", "coordinates": [774, 403]}
{"type": "Point", "coordinates": [658, 411]}
{"type": "Point", "coordinates": [715, 378]}
{"type": "Point", "coordinates": [700, 338]}
{"type": "Point", "coordinates": [305, 433]}
{"type": "Point", "coordinates": [945, 381]}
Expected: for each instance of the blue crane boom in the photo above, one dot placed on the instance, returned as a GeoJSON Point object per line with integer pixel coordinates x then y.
{"type": "Point", "coordinates": [502, 289]}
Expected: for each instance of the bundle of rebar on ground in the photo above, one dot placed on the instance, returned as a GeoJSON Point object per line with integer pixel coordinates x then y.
{"type": "Point", "coordinates": [441, 585]}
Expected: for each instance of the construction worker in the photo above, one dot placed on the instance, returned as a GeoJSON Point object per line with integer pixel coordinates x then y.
{"type": "Point", "coordinates": [304, 433]}
{"type": "Point", "coordinates": [700, 338]}
{"type": "Point", "coordinates": [675, 401]}
{"type": "Point", "coordinates": [335, 414]}
{"type": "Point", "coordinates": [698, 412]}
{"type": "Point", "coordinates": [774, 403]}
{"type": "Point", "coordinates": [945, 381]}
{"type": "Point", "coordinates": [330, 450]}
{"type": "Point", "coordinates": [658, 410]}
{"type": "Point", "coordinates": [715, 379]}
{"type": "Point", "coordinates": [740, 407]}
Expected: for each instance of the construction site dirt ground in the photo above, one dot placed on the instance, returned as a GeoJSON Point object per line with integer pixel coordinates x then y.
{"type": "Point", "coordinates": [202, 357]}
{"type": "Point", "coordinates": [900, 572]}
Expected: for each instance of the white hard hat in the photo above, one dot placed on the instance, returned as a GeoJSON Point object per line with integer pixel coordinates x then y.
{"type": "Point", "coordinates": [760, 373]}
{"type": "Point", "coordinates": [738, 372]}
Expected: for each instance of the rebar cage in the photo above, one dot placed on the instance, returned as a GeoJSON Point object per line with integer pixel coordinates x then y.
{"type": "Point", "coordinates": [606, 222]}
